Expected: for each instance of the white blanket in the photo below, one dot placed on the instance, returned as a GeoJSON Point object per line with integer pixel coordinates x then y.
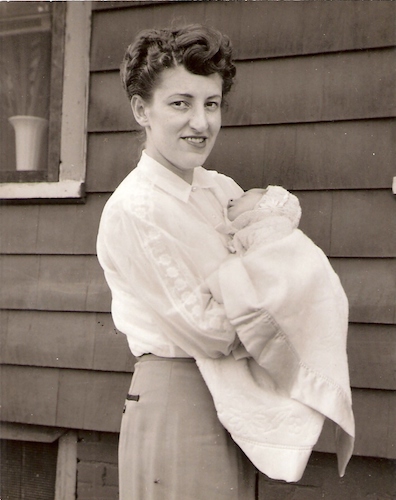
{"type": "Point", "coordinates": [291, 372]}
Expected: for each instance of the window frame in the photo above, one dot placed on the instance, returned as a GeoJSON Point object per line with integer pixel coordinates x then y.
{"type": "Point", "coordinates": [51, 173]}
{"type": "Point", "coordinates": [65, 179]}
{"type": "Point", "coordinates": [66, 465]}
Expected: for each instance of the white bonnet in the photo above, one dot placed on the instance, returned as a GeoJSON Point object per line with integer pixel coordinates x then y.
{"type": "Point", "coordinates": [275, 201]}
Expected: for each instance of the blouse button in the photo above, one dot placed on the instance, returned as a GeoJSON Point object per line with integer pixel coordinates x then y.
{"type": "Point", "coordinates": [193, 188]}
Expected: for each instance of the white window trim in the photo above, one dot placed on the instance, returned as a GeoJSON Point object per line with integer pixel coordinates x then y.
{"type": "Point", "coordinates": [66, 467]}
{"type": "Point", "coordinates": [72, 166]}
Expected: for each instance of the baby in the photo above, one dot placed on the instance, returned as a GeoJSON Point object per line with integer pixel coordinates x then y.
{"type": "Point", "coordinates": [258, 217]}
{"type": "Point", "coordinates": [290, 312]}
{"type": "Point", "coordinates": [273, 199]}
{"type": "Point", "coordinates": [262, 215]}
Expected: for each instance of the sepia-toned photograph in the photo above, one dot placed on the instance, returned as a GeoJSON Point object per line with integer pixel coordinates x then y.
{"type": "Point", "coordinates": [198, 250]}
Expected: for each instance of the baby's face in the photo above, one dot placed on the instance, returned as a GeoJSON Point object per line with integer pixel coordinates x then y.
{"type": "Point", "coordinates": [246, 202]}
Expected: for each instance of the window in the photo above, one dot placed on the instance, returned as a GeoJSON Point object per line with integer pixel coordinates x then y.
{"type": "Point", "coordinates": [30, 79]}
{"type": "Point", "coordinates": [44, 69]}
{"type": "Point", "coordinates": [37, 462]}
{"type": "Point", "coordinates": [28, 469]}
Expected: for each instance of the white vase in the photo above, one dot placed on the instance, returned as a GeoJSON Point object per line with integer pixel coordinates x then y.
{"type": "Point", "coordinates": [30, 139]}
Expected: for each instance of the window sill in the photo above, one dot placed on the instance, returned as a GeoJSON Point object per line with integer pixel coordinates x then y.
{"type": "Point", "coordinates": [67, 190]}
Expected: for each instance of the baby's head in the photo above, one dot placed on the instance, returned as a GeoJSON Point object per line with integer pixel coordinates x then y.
{"type": "Point", "coordinates": [274, 200]}
{"type": "Point", "coordinates": [244, 203]}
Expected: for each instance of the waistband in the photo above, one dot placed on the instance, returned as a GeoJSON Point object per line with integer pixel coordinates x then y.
{"type": "Point", "coordinates": [153, 357]}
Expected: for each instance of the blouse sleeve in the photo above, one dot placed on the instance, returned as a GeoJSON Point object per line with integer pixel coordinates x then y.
{"type": "Point", "coordinates": [152, 265]}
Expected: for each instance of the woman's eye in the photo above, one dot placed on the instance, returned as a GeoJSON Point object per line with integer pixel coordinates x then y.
{"type": "Point", "coordinates": [213, 105]}
{"type": "Point", "coordinates": [179, 104]}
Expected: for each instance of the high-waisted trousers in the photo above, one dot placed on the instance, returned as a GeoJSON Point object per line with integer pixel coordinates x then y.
{"type": "Point", "coordinates": [172, 445]}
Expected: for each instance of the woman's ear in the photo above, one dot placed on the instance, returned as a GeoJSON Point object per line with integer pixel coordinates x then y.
{"type": "Point", "coordinates": [139, 109]}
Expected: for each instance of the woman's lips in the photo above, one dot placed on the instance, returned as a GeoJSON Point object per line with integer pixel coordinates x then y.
{"type": "Point", "coordinates": [199, 142]}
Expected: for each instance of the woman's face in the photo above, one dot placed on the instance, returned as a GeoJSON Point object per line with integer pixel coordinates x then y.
{"type": "Point", "coordinates": [182, 120]}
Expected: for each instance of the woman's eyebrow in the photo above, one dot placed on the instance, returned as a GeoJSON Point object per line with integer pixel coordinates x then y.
{"type": "Point", "coordinates": [181, 94]}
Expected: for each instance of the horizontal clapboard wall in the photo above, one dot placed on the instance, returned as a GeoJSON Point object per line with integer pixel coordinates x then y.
{"type": "Point", "coordinates": [289, 90]}
{"type": "Point", "coordinates": [57, 339]}
{"type": "Point", "coordinates": [76, 283]}
{"type": "Point", "coordinates": [257, 29]}
{"type": "Point", "coordinates": [312, 109]}
{"type": "Point", "coordinates": [356, 223]}
{"type": "Point", "coordinates": [93, 400]}
{"type": "Point", "coordinates": [89, 341]}
{"type": "Point", "coordinates": [315, 156]}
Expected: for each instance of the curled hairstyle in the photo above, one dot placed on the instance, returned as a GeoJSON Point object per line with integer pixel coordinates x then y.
{"type": "Point", "coordinates": [200, 49]}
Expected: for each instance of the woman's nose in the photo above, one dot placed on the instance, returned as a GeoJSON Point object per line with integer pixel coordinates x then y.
{"type": "Point", "coordinates": [199, 119]}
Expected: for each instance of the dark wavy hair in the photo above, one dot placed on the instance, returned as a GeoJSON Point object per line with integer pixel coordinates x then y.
{"type": "Point", "coordinates": [200, 49]}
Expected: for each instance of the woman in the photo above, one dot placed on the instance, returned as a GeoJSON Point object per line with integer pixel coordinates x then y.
{"type": "Point", "coordinates": [159, 239]}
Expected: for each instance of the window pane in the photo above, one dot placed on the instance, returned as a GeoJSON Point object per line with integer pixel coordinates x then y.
{"type": "Point", "coordinates": [25, 64]}
{"type": "Point", "coordinates": [27, 470]}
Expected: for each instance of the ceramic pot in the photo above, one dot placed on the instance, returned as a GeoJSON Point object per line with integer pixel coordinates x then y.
{"type": "Point", "coordinates": [30, 139]}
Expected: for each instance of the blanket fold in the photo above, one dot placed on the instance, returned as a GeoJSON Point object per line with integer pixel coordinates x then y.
{"type": "Point", "coordinates": [291, 316]}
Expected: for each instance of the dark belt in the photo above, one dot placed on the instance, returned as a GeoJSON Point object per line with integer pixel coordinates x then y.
{"type": "Point", "coordinates": [154, 357]}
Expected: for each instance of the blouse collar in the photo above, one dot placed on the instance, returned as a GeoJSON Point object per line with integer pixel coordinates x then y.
{"type": "Point", "coordinates": [172, 183]}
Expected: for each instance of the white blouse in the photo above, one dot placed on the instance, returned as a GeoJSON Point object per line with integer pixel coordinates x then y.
{"type": "Point", "coordinates": [159, 238]}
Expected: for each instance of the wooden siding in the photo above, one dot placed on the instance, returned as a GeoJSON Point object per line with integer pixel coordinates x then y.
{"type": "Point", "coordinates": [313, 109]}
{"type": "Point", "coordinates": [76, 283]}
{"type": "Point", "coordinates": [288, 90]}
{"type": "Point", "coordinates": [97, 399]}
{"type": "Point", "coordinates": [369, 230]}
{"type": "Point", "coordinates": [257, 29]}
{"type": "Point", "coordinates": [83, 341]}
{"type": "Point", "coordinates": [51, 229]}
{"type": "Point", "coordinates": [89, 341]}
{"type": "Point", "coordinates": [77, 399]}
{"type": "Point", "coordinates": [315, 156]}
